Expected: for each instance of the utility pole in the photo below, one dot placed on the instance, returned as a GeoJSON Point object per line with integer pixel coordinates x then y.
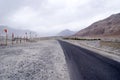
{"type": "Point", "coordinates": [30, 35]}
{"type": "Point", "coordinates": [26, 36]}
{"type": "Point", "coordinates": [5, 30]}
{"type": "Point", "coordinates": [12, 38]}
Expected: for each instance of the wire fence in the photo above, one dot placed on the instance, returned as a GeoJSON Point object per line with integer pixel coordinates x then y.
{"type": "Point", "coordinates": [10, 40]}
{"type": "Point", "coordinates": [7, 37]}
{"type": "Point", "coordinates": [2, 40]}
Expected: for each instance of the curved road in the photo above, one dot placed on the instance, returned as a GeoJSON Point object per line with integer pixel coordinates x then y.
{"type": "Point", "coordinates": [87, 65]}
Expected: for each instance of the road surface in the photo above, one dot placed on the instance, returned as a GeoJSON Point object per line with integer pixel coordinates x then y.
{"type": "Point", "coordinates": [87, 65]}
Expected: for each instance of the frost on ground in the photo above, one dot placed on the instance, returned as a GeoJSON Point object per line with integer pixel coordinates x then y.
{"type": "Point", "coordinates": [43, 60]}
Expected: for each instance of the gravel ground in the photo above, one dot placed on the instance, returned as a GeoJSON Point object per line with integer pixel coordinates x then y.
{"type": "Point", "coordinates": [43, 60]}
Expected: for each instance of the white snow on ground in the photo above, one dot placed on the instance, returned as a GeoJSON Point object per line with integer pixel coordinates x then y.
{"type": "Point", "coordinates": [43, 60]}
{"type": "Point", "coordinates": [95, 46]}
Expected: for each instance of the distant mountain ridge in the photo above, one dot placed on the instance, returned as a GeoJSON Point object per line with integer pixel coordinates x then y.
{"type": "Point", "coordinates": [107, 27]}
{"type": "Point", "coordinates": [66, 32]}
{"type": "Point", "coordinates": [17, 32]}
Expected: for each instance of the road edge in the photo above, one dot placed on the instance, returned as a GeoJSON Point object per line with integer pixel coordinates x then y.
{"type": "Point", "coordinates": [96, 50]}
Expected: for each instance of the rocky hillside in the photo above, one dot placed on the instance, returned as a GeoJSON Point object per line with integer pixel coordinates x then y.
{"type": "Point", "coordinates": [107, 27]}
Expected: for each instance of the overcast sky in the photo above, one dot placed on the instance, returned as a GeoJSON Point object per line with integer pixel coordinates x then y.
{"type": "Point", "coordinates": [48, 17]}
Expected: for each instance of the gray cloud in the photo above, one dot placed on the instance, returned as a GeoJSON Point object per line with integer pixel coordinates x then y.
{"type": "Point", "coordinates": [8, 6]}
{"type": "Point", "coordinates": [48, 17]}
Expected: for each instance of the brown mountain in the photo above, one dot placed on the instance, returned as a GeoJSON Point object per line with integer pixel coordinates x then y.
{"type": "Point", "coordinates": [107, 27]}
{"type": "Point", "coordinates": [66, 32]}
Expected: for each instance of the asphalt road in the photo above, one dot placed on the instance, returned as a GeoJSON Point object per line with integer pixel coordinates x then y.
{"type": "Point", "coordinates": [87, 65]}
